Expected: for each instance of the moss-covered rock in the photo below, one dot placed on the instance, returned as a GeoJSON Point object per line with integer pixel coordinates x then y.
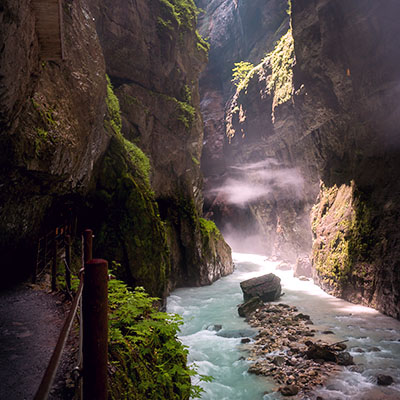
{"type": "Point", "coordinates": [129, 229]}
{"type": "Point", "coordinates": [342, 230]}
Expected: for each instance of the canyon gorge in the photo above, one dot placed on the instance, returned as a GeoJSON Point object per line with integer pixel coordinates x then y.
{"type": "Point", "coordinates": [168, 125]}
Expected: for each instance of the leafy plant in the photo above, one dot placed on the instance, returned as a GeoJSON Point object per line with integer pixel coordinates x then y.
{"type": "Point", "coordinates": [240, 72]}
{"type": "Point", "coordinates": [148, 359]}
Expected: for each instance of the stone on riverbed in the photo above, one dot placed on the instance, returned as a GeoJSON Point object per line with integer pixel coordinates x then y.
{"type": "Point", "coordinates": [249, 306]}
{"type": "Point", "coordinates": [266, 287]}
{"type": "Point", "coordinates": [384, 380]}
{"type": "Point", "coordinates": [289, 390]}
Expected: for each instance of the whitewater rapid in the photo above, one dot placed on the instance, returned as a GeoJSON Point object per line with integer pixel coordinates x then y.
{"type": "Point", "coordinates": [213, 330]}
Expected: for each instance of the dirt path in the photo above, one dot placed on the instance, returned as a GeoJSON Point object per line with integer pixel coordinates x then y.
{"type": "Point", "coordinates": [30, 322]}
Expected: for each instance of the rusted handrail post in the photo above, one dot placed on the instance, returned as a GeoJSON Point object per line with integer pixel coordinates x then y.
{"type": "Point", "coordinates": [68, 261]}
{"type": "Point", "coordinates": [87, 245]}
{"type": "Point", "coordinates": [95, 329]}
{"type": "Point", "coordinates": [54, 266]}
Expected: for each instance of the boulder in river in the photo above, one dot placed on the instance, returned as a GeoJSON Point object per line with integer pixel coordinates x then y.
{"type": "Point", "coordinates": [320, 352]}
{"type": "Point", "coordinates": [384, 380]}
{"type": "Point", "coordinates": [267, 287]}
{"type": "Point", "coordinates": [249, 306]}
{"type": "Point", "coordinates": [344, 358]}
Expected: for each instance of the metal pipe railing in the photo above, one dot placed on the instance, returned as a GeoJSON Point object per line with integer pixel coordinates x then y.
{"type": "Point", "coordinates": [49, 375]}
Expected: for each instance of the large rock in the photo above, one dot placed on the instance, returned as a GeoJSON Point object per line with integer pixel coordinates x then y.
{"type": "Point", "coordinates": [266, 287]}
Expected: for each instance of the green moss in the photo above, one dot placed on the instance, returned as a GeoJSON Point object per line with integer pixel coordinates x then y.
{"type": "Point", "coordinates": [148, 361]}
{"type": "Point", "coordinates": [202, 44]}
{"type": "Point", "coordinates": [195, 161]}
{"type": "Point", "coordinates": [185, 112]}
{"type": "Point", "coordinates": [164, 26]}
{"type": "Point", "coordinates": [113, 108]}
{"type": "Point", "coordinates": [281, 60]}
{"type": "Point", "coordinates": [342, 228]}
{"type": "Point", "coordinates": [130, 230]}
{"type": "Point", "coordinates": [209, 228]}
{"type": "Point", "coordinates": [289, 10]}
{"type": "Point", "coordinates": [184, 12]}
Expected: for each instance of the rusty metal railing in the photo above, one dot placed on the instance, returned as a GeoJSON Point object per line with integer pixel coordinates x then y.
{"type": "Point", "coordinates": [51, 370]}
{"type": "Point", "coordinates": [93, 295]}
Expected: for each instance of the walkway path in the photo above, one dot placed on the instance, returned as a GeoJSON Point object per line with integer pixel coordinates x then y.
{"type": "Point", "coordinates": [30, 322]}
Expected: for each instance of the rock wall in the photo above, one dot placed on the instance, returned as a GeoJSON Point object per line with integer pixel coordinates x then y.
{"type": "Point", "coordinates": [347, 73]}
{"type": "Point", "coordinates": [156, 80]}
{"type": "Point", "coordinates": [338, 128]}
{"type": "Point", "coordinates": [240, 31]}
{"type": "Point", "coordinates": [62, 144]}
{"type": "Point", "coordinates": [51, 121]}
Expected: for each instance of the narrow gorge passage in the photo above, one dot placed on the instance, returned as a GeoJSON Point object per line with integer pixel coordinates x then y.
{"type": "Point", "coordinates": [213, 332]}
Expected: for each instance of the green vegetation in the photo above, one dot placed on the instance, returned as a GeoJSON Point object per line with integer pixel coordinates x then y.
{"type": "Point", "coordinates": [342, 228]}
{"type": "Point", "coordinates": [209, 228]}
{"type": "Point", "coordinates": [281, 60]}
{"type": "Point", "coordinates": [240, 73]}
{"type": "Point", "coordinates": [113, 108]}
{"type": "Point", "coordinates": [202, 44]}
{"type": "Point", "coordinates": [148, 361]}
{"type": "Point", "coordinates": [131, 230]}
{"type": "Point", "coordinates": [186, 113]}
{"type": "Point", "coordinates": [195, 161]}
{"type": "Point", "coordinates": [289, 10]}
{"type": "Point", "coordinates": [184, 12]}
{"type": "Point", "coordinates": [180, 14]}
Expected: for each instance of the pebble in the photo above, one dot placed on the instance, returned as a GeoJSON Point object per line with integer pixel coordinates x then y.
{"type": "Point", "coordinates": [279, 350]}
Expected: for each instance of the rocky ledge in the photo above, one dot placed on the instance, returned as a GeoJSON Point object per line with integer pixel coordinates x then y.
{"type": "Point", "coordinates": [286, 351]}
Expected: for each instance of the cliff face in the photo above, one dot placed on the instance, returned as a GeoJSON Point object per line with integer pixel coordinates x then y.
{"type": "Point", "coordinates": [156, 81]}
{"type": "Point", "coordinates": [51, 121]}
{"type": "Point", "coordinates": [272, 222]}
{"type": "Point", "coordinates": [63, 145]}
{"type": "Point", "coordinates": [333, 118]}
{"type": "Point", "coordinates": [348, 63]}
{"type": "Point", "coordinates": [236, 30]}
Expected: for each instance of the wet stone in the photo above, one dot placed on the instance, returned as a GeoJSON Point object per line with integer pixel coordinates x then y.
{"type": "Point", "coordinates": [384, 380]}
{"type": "Point", "coordinates": [282, 346]}
{"type": "Point", "coordinates": [289, 390]}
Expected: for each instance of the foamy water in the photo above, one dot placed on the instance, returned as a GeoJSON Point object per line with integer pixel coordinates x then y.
{"type": "Point", "coordinates": [373, 339]}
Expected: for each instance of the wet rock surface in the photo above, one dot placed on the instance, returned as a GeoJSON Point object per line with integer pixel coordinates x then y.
{"type": "Point", "coordinates": [384, 380]}
{"type": "Point", "coordinates": [266, 287]}
{"type": "Point", "coordinates": [286, 350]}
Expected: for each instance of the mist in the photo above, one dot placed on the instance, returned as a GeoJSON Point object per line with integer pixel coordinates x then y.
{"type": "Point", "coordinates": [263, 180]}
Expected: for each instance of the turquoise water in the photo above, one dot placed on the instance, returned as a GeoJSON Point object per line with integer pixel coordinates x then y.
{"type": "Point", "coordinates": [221, 354]}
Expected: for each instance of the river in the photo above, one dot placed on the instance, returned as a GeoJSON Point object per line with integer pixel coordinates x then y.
{"type": "Point", "coordinates": [212, 331]}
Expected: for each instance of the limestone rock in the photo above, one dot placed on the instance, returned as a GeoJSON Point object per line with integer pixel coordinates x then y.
{"type": "Point", "coordinates": [266, 287]}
